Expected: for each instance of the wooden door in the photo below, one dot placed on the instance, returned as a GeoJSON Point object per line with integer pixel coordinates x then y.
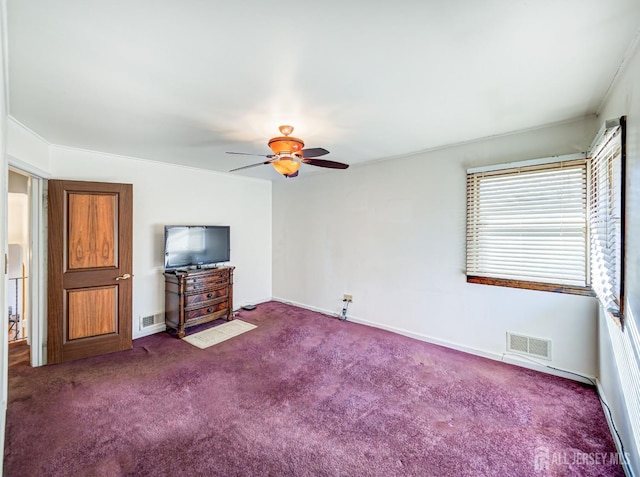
{"type": "Point", "coordinates": [90, 266]}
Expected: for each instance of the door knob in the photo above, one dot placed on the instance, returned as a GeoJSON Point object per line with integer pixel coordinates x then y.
{"type": "Point", "coordinates": [126, 276]}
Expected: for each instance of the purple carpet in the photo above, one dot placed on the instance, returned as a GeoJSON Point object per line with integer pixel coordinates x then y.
{"type": "Point", "coordinates": [301, 395]}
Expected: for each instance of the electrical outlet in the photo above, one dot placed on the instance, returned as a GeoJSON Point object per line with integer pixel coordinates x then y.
{"type": "Point", "coordinates": [347, 297]}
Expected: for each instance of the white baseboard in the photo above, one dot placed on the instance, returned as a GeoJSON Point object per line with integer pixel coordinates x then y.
{"type": "Point", "coordinates": [514, 359]}
{"type": "Point", "coordinates": [150, 330]}
{"type": "Point", "coordinates": [251, 302]}
{"type": "Point", "coordinates": [612, 427]}
{"type": "Point", "coordinates": [306, 307]}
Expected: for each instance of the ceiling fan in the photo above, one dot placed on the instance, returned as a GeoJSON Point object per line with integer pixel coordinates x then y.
{"type": "Point", "coordinates": [288, 154]}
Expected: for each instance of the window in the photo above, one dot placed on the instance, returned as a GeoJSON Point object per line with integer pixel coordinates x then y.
{"type": "Point", "coordinates": [554, 226]}
{"type": "Point", "coordinates": [527, 226]}
{"type": "Point", "coordinates": [606, 205]}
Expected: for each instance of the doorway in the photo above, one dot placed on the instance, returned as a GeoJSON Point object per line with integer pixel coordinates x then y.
{"type": "Point", "coordinates": [18, 232]}
{"type": "Point", "coordinates": [25, 300]}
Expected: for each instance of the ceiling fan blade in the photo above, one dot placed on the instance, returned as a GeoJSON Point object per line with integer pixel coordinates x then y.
{"type": "Point", "coordinates": [314, 152]}
{"type": "Point", "coordinates": [250, 165]}
{"type": "Point", "coordinates": [248, 154]}
{"type": "Point", "coordinates": [325, 163]}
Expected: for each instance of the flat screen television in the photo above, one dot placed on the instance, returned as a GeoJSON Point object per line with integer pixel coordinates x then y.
{"type": "Point", "coordinates": [195, 245]}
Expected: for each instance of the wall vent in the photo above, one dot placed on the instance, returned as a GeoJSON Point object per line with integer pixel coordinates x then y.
{"type": "Point", "coordinates": [538, 347]}
{"type": "Point", "coordinates": [151, 320]}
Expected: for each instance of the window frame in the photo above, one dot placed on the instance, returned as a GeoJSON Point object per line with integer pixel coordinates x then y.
{"type": "Point", "coordinates": [515, 168]}
{"type": "Point", "coordinates": [609, 127]}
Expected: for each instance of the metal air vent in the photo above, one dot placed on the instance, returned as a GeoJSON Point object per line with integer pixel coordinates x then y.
{"type": "Point", "coordinates": [151, 320]}
{"type": "Point", "coordinates": [538, 347]}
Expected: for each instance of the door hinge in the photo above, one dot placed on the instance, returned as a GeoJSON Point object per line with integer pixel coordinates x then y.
{"type": "Point", "coordinates": [6, 264]}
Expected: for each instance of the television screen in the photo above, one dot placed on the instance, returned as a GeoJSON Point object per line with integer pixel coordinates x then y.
{"type": "Point", "coordinates": [195, 245]}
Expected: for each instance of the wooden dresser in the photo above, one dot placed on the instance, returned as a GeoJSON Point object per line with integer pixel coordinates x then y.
{"type": "Point", "coordinates": [197, 296]}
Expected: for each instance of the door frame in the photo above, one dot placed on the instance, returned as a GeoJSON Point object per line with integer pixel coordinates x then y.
{"type": "Point", "coordinates": [37, 258]}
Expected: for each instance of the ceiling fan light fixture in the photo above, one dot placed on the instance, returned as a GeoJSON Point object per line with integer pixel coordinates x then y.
{"type": "Point", "coordinates": [286, 166]}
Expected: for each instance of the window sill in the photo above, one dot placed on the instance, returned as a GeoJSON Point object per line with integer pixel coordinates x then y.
{"type": "Point", "coordinates": [548, 287]}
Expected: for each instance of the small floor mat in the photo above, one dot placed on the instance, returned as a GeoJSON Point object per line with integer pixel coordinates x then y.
{"type": "Point", "coordinates": [213, 336]}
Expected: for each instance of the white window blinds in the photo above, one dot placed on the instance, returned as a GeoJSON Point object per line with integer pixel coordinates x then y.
{"type": "Point", "coordinates": [605, 209]}
{"type": "Point", "coordinates": [529, 223]}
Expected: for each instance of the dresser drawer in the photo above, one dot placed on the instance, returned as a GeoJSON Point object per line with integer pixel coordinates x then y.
{"type": "Point", "coordinates": [205, 296]}
{"type": "Point", "coordinates": [203, 283]}
{"type": "Point", "coordinates": [207, 310]}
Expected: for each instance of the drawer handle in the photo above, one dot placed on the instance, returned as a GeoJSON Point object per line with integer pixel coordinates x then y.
{"type": "Point", "coordinates": [209, 295]}
{"type": "Point", "coordinates": [209, 310]}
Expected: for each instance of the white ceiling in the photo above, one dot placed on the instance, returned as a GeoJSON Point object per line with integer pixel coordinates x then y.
{"type": "Point", "coordinates": [185, 81]}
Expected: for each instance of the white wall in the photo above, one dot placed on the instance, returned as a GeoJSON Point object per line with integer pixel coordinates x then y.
{"type": "Point", "coordinates": [18, 210]}
{"type": "Point", "coordinates": [18, 219]}
{"type": "Point", "coordinates": [393, 235]}
{"type": "Point", "coordinates": [619, 364]}
{"type": "Point", "coordinates": [165, 194]}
